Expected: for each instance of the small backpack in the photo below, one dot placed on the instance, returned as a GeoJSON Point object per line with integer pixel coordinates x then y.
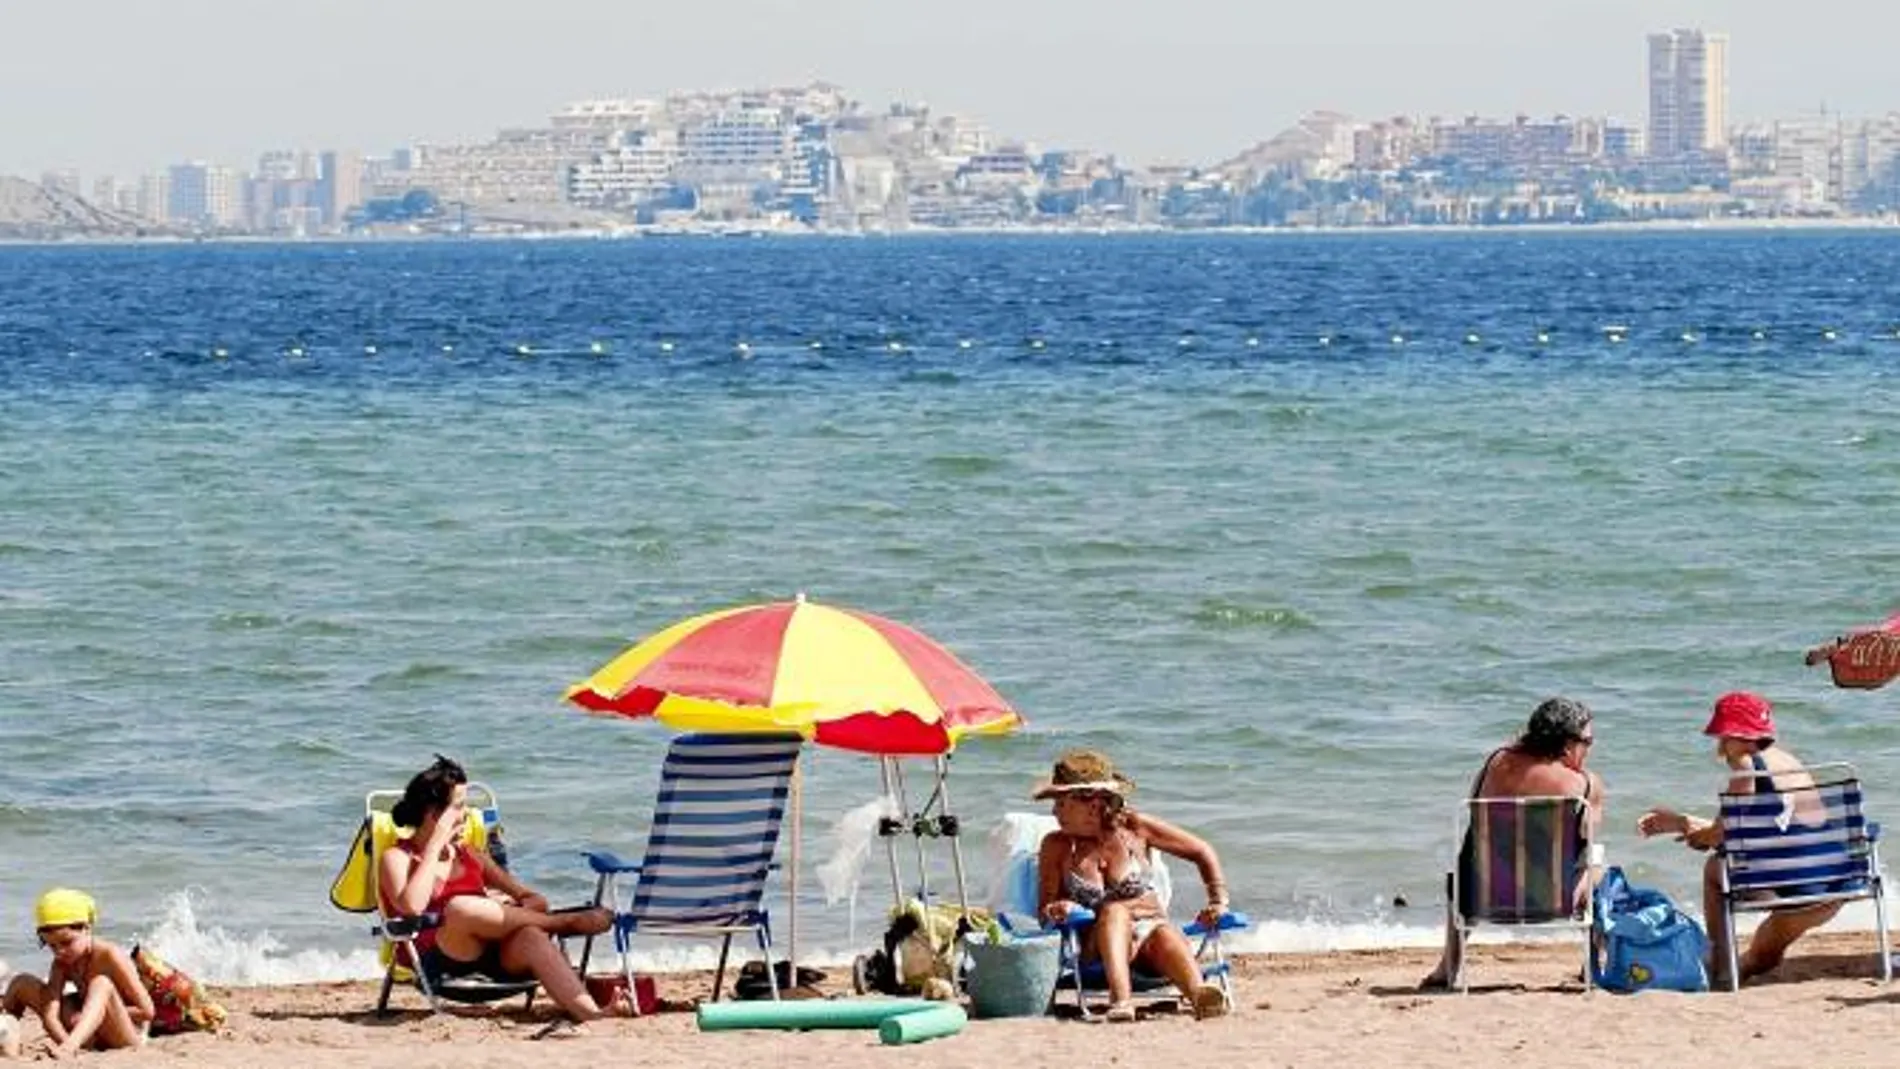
{"type": "Point", "coordinates": [1643, 942]}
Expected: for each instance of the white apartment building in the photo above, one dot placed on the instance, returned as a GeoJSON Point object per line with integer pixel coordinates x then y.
{"type": "Point", "coordinates": [518, 166]}
{"type": "Point", "coordinates": [206, 195]}
{"type": "Point", "coordinates": [636, 171]}
{"type": "Point", "coordinates": [1688, 94]}
{"type": "Point", "coordinates": [754, 143]}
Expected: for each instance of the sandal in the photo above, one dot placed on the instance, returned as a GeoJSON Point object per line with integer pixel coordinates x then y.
{"type": "Point", "coordinates": [1120, 1013]}
{"type": "Point", "coordinates": [1209, 1001]}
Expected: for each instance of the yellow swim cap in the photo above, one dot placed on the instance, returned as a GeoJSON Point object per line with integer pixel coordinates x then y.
{"type": "Point", "coordinates": [62, 907]}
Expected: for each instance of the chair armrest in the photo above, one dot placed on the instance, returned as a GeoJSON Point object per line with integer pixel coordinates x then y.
{"type": "Point", "coordinates": [1873, 831]}
{"type": "Point", "coordinates": [400, 928]}
{"type": "Point", "coordinates": [1230, 921]}
{"type": "Point", "coordinates": [605, 863]}
{"type": "Point", "coordinates": [1077, 919]}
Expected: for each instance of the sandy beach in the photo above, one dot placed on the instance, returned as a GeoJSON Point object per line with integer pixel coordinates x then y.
{"type": "Point", "coordinates": [1295, 1010]}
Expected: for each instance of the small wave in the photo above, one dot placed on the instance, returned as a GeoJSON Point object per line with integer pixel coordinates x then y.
{"type": "Point", "coordinates": [419, 672]}
{"type": "Point", "coordinates": [1221, 613]}
{"type": "Point", "coordinates": [933, 378]}
{"type": "Point", "coordinates": [248, 621]}
{"type": "Point", "coordinates": [965, 464]}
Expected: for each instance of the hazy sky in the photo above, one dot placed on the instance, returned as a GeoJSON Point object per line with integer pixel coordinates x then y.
{"type": "Point", "coordinates": [123, 86]}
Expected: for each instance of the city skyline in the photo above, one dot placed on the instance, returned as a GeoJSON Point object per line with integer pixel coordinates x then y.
{"type": "Point", "coordinates": [112, 87]}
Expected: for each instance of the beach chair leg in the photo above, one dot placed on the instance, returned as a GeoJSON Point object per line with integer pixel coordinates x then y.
{"type": "Point", "coordinates": [1460, 938]}
{"type": "Point", "coordinates": [600, 895]}
{"type": "Point", "coordinates": [1880, 921]}
{"type": "Point", "coordinates": [719, 973]}
{"type": "Point", "coordinates": [389, 983]}
{"type": "Point", "coordinates": [771, 974]}
{"type": "Point", "coordinates": [1734, 948]}
{"type": "Point", "coordinates": [1071, 963]}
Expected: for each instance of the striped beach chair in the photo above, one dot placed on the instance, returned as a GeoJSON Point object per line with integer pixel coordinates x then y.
{"type": "Point", "coordinates": [709, 850]}
{"type": "Point", "coordinates": [1519, 864]}
{"type": "Point", "coordinates": [1803, 846]}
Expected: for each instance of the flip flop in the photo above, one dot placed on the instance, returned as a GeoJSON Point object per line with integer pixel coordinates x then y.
{"type": "Point", "coordinates": [1209, 1001]}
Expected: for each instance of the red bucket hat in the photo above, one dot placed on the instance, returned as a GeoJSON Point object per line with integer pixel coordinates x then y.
{"type": "Point", "coordinates": [1742, 715]}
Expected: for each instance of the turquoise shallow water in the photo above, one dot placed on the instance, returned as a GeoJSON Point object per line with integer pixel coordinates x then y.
{"type": "Point", "coordinates": [1186, 500]}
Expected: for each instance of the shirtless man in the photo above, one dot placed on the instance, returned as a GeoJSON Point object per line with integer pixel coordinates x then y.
{"type": "Point", "coordinates": [111, 1011]}
{"type": "Point", "coordinates": [1546, 760]}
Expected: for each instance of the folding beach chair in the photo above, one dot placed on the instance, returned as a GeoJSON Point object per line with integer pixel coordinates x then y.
{"type": "Point", "coordinates": [355, 890]}
{"type": "Point", "coordinates": [1016, 894]}
{"type": "Point", "coordinates": [1518, 864]}
{"type": "Point", "coordinates": [1803, 846]}
{"type": "Point", "coordinates": [709, 850]}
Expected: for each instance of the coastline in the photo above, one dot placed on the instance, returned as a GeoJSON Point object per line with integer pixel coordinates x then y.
{"type": "Point", "coordinates": [1295, 1010]}
{"type": "Point", "coordinates": [1645, 226]}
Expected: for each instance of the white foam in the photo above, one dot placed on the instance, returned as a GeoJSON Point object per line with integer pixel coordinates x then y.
{"type": "Point", "coordinates": [216, 956]}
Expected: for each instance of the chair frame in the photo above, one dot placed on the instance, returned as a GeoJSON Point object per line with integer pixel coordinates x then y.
{"type": "Point", "coordinates": [1144, 986]}
{"type": "Point", "coordinates": [402, 932]}
{"type": "Point", "coordinates": [1861, 841]}
{"type": "Point", "coordinates": [608, 868]}
{"type": "Point", "coordinates": [1581, 921]}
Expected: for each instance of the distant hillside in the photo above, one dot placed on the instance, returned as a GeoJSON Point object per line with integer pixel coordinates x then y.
{"type": "Point", "coordinates": [31, 213]}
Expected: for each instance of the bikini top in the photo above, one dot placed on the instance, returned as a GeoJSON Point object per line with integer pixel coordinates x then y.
{"type": "Point", "coordinates": [1137, 882]}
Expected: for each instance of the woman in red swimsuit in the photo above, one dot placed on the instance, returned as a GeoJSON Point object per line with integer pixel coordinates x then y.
{"type": "Point", "coordinates": [492, 923]}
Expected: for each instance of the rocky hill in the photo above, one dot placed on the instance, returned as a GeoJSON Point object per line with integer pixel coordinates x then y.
{"type": "Point", "coordinates": [31, 213]}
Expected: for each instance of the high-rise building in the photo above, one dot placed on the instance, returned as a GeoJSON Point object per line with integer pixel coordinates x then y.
{"type": "Point", "coordinates": [341, 186]}
{"type": "Point", "coordinates": [1688, 94]}
{"type": "Point", "coordinates": [206, 195]}
{"type": "Point", "coordinates": [154, 200]}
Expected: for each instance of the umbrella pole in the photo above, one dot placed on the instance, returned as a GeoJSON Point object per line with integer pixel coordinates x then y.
{"type": "Point", "coordinates": [889, 833]}
{"type": "Point", "coordinates": [916, 838]}
{"type": "Point", "coordinates": [956, 839]}
{"type": "Point", "coordinates": [791, 884]}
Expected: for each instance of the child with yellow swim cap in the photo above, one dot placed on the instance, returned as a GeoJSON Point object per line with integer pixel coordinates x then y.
{"type": "Point", "coordinates": [108, 1009]}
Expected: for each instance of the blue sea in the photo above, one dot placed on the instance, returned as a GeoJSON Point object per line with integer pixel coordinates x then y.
{"type": "Point", "coordinates": [1296, 528]}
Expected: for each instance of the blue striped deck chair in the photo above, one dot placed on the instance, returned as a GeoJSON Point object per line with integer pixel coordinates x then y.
{"type": "Point", "coordinates": [1805, 845]}
{"type": "Point", "coordinates": [709, 850]}
{"type": "Point", "coordinates": [1519, 864]}
{"type": "Point", "coordinates": [1014, 899]}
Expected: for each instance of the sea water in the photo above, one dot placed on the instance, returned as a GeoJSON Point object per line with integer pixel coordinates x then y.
{"type": "Point", "coordinates": [1297, 529]}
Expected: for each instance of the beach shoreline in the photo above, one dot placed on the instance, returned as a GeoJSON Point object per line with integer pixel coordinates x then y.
{"type": "Point", "coordinates": [1824, 1006]}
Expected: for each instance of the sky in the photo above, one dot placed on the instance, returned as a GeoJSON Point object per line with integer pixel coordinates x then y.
{"type": "Point", "coordinates": [128, 86]}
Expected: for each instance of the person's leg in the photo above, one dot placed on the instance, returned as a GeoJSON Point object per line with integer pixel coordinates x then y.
{"type": "Point", "coordinates": [103, 1022]}
{"type": "Point", "coordinates": [1777, 933]}
{"type": "Point", "coordinates": [470, 923]}
{"type": "Point", "coordinates": [24, 995]}
{"type": "Point", "coordinates": [1167, 952]}
{"type": "Point", "coordinates": [1114, 932]}
{"type": "Point", "coordinates": [529, 952]}
{"type": "Point", "coordinates": [1451, 964]}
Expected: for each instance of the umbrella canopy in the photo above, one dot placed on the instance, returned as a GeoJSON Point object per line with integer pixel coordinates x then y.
{"type": "Point", "coordinates": [837, 676]}
{"type": "Point", "coordinates": [1862, 659]}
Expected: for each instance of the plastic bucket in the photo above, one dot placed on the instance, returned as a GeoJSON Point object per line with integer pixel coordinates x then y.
{"type": "Point", "coordinates": [1016, 978]}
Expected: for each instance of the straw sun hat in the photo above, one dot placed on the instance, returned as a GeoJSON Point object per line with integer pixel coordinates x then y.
{"type": "Point", "coordinates": [1083, 770]}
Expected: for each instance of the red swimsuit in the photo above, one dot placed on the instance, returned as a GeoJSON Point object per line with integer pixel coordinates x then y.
{"type": "Point", "coordinates": [464, 878]}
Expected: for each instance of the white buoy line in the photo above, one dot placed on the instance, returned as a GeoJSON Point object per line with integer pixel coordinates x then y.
{"type": "Point", "coordinates": [746, 348]}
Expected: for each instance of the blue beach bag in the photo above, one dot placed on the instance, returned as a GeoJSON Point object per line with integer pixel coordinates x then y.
{"type": "Point", "coordinates": [1644, 942]}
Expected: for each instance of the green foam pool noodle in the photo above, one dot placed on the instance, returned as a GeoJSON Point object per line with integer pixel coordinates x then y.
{"type": "Point", "coordinates": [941, 1019]}
{"type": "Point", "coordinates": [804, 1014]}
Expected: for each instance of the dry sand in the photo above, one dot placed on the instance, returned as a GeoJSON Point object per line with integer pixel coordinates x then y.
{"type": "Point", "coordinates": [1338, 1010]}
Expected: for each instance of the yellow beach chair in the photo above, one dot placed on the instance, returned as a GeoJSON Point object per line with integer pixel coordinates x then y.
{"type": "Point", "coordinates": [354, 891]}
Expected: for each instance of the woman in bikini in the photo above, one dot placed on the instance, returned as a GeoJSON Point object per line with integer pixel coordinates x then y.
{"type": "Point", "coordinates": [1100, 859]}
{"type": "Point", "coordinates": [491, 923]}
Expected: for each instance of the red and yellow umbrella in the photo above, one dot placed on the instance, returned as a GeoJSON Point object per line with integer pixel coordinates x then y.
{"type": "Point", "coordinates": [837, 676]}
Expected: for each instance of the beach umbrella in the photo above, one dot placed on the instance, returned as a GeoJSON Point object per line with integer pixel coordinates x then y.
{"type": "Point", "coordinates": [839, 677]}
{"type": "Point", "coordinates": [1864, 658]}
